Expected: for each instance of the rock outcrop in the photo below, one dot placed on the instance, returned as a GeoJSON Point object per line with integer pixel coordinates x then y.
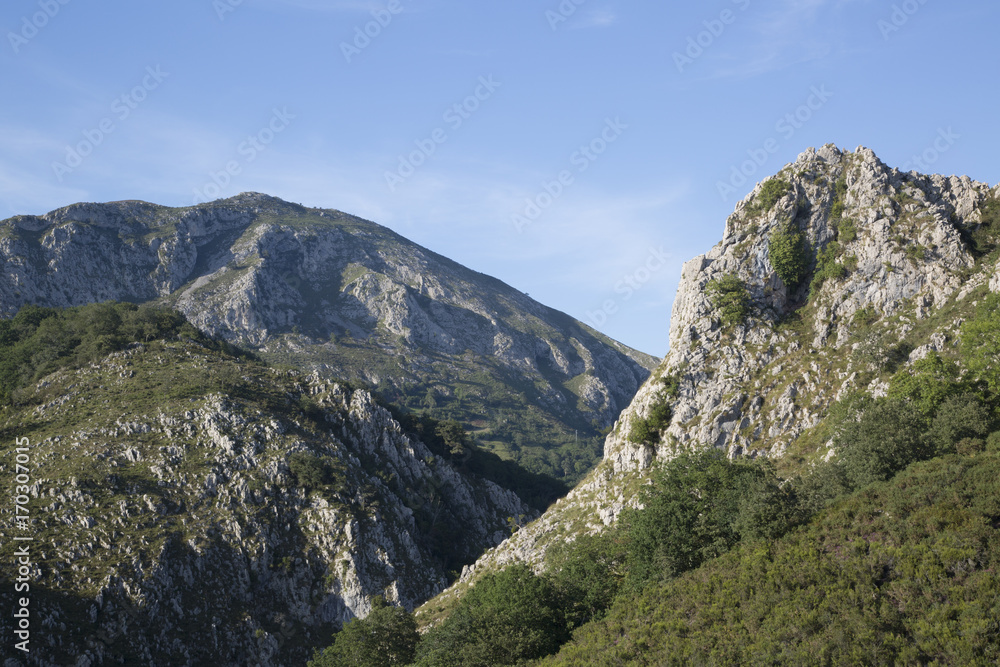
{"type": "Point", "coordinates": [900, 266]}
{"type": "Point", "coordinates": [174, 525]}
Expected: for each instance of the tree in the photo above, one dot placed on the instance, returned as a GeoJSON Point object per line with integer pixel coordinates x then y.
{"type": "Point", "coordinates": [387, 636]}
{"type": "Point", "coordinates": [926, 384]}
{"type": "Point", "coordinates": [883, 440]}
{"type": "Point", "coordinates": [981, 342]}
{"type": "Point", "coordinates": [730, 298]}
{"type": "Point", "coordinates": [959, 417]}
{"type": "Point", "coordinates": [507, 618]}
{"type": "Point", "coordinates": [788, 253]}
{"type": "Point", "coordinates": [588, 573]}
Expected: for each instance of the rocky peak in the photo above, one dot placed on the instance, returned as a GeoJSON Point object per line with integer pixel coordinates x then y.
{"type": "Point", "coordinates": [885, 253]}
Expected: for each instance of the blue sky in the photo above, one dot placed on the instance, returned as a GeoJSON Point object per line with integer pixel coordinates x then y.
{"type": "Point", "coordinates": [572, 148]}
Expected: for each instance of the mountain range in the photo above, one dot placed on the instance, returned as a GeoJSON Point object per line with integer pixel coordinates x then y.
{"type": "Point", "coordinates": [326, 291]}
{"type": "Point", "coordinates": [342, 415]}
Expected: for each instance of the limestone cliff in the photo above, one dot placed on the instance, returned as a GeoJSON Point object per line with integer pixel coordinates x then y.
{"type": "Point", "coordinates": [901, 264]}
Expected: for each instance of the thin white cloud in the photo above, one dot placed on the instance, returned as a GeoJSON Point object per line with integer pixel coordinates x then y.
{"type": "Point", "coordinates": [597, 18]}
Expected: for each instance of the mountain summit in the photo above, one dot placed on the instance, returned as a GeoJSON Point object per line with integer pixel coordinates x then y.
{"type": "Point", "coordinates": [831, 276]}
{"type": "Point", "coordinates": [351, 299]}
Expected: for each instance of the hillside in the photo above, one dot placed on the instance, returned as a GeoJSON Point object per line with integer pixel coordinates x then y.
{"type": "Point", "coordinates": [879, 269]}
{"type": "Point", "coordinates": [903, 573]}
{"type": "Point", "coordinates": [189, 504]}
{"type": "Point", "coordinates": [328, 292]}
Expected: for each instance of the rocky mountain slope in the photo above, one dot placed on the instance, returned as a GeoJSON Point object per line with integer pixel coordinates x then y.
{"type": "Point", "coordinates": [327, 291]}
{"type": "Point", "coordinates": [187, 506]}
{"type": "Point", "coordinates": [891, 264]}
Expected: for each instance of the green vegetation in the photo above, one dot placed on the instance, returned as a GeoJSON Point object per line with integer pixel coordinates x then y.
{"type": "Point", "coordinates": [647, 430]}
{"type": "Point", "coordinates": [507, 618]}
{"type": "Point", "coordinates": [38, 341]}
{"type": "Point", "coordinates": [730, 298]}
{"type": "Point", "coordinates": [981, 342]}
{"type": "Point", "coordinates": [770, 193]}
{"type": "Point", "coordinates": [788, 253]}
{"type": "Point", "coordinates": [387, 636]}
{"type": "Point", "coordinates": [827, 267]}
{"type": "Point", "coordinates": [901, 573]}
{"type": "Point", "coordinates": [700, 505]}
{"type": "Point", "coordinates": [449, 441]}
{"type": "Point", "coordinates": [983, 240]}
{"type": "Point", "coordinates": [885, 553]}
{"type": "Point", "coordinates": [322, 474]}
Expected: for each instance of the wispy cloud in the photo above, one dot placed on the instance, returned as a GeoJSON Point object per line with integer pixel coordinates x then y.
{"type": "Point", "coordinates": [596, 18]}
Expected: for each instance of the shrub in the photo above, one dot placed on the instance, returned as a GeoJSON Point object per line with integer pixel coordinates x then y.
{"type": "Point", "coordinates": [315, 473]}
{"type": "Point", "coordinates": [970, 446]}
{"type": "Point", "coordinates": [926, 384]}
{"type": "Point", "coordinates": [788, 253]}
{"type": "Point", "coordinates": [827, 267]}
{"type": "Point", "coordinates": [772, 191]}
{"type": "Point", "coordinates": [646, 430]}
{"type": "Point", "coordinates": [506, 619]}
{"type": "Point", "coordinates": [959, 417]}
{"type": "Point", "coordinates": [883, 440]}
{"type": "Point", "coordinates": [826, 482]}
{"type": "Point", "coordinates": [387, 636]}
{"type": "Point", "coordinates": [847, 230]}
{"type": "Point", "coordinates": [588, 573]}
{"type": "Point", "coordinates": [730, 298]}
{"type": "Point", "coordinates": [699, 505]}
{"type": "Point", "coordinates": [980, 347]}
{"type": "Point", "coordinates": [993, 442]}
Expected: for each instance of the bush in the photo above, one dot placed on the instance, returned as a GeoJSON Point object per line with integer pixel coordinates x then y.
{"type": "Point", "coordinates": [387, 636]}
{"type": "Point", "coordinates": [699, 505]}
{"type": "Point", "coordinates": [958, 418]}
{"type": "Point", "coordinates": [883, 440]}
{"type": "Point", "coordinates": [926, 384]}
{"type": "Point", "coordinates": [980, 347]}
{"type": "Point", "coordinates": [827, 267]}
{"type": "Point", "coordinates": [647, 430]}
{"type": "Point", "coordinates": [826, 482]}
{"type": "Point", "coordinates": [993, 442]}
{"type": "Point", "coordinates": [770, 193]}
{"type": "Point", "coordinates": [788, 253]}
{"type": "Point", "coordinates": [588, 573]}
{"type": "Point", "coordinates": [506, 619]}
{"type": "Point", "coordinates": [730, 298]}
{"type": "Point", "coordinates": [315, 473]}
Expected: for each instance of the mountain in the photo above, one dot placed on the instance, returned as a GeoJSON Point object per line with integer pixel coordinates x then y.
{"type": "Point", "coordinates": [832, 277]}
{"type": "Point", "coordinates": [185, 503]}
{"type": "Point", "coordinates": [326, 291]}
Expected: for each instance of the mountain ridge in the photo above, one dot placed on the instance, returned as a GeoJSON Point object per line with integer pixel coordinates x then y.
{"type": "Point", "coordinates": [347, 297]}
